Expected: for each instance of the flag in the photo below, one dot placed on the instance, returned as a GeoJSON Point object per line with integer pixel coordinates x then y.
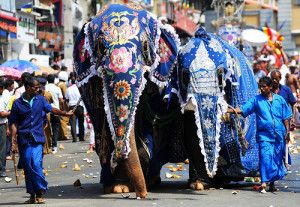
{"type": "Point", "coordinates": [27, 8]}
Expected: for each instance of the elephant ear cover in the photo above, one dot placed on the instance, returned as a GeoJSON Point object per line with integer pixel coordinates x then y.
{"type": "Point", "coordinates": [83, 63]}
{"type": "Point", "coordinates": [168, 44]}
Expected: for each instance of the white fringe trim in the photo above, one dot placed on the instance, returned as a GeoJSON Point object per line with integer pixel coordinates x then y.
{"type": "Point", "coordinates": [93, 72]}
{"type": "Point", "coordinates": [87, 45]}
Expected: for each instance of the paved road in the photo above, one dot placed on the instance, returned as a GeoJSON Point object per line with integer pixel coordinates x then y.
{"type": "Point", "coordinates": [171, 193]}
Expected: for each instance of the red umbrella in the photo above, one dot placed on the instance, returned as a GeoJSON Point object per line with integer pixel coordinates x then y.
{"type": "Point", "coordinates": [10, 72]}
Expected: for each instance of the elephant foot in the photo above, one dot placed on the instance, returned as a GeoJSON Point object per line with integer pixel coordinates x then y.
{"type": "Point", "coordinates": [197, 185]}
{"type": "Point", "coordinates": [122, 188]}
{"type": "Point", "coordinates": [118, 188]}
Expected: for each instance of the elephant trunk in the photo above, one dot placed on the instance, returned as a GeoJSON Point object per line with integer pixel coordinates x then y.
{"type": "Point", "coordinates": [134, 169]}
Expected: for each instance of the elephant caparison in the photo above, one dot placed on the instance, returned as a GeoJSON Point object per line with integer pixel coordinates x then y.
{"type": "Point", "coordinates": [116, 55]}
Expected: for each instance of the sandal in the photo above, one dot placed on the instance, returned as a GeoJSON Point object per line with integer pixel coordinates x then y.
{"type": "Point", "coordinates": [30, 201]}
{"type": "Point", "coordinates": [273, 189]}
{"type": "Point", "coordinates": [40, 200]}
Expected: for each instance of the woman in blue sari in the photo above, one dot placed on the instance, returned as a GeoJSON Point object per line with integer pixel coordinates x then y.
{"type": "Point", "coordinates": [272, 115]}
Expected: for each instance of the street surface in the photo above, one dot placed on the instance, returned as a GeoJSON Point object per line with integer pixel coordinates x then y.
{"type": "Point", "coordinates": [172, 192]}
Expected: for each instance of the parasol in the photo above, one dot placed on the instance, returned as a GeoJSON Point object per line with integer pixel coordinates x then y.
{"type": "Point", "coordinates": [21, 65]}
{"type": "Point", "coordinates": [10, 72]}
{"type": "Point", "coordinates": [254, 37]}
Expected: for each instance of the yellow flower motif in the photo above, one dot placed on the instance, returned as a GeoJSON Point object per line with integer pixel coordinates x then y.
{"type": "Point", "coordinates": [121, 131]}
{"type": "Point", "coordinates": [122, 90]}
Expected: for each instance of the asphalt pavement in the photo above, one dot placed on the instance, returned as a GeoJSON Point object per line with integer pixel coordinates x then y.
{"type": "Point", "coordinates": [61, 175]}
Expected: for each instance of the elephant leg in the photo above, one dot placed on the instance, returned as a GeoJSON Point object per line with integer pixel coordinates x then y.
{"type": "Point", "coordinates": [197, 172]}
{"type": "Point", "coordinates": [121, 181]}
{"type": "Point", "coordinates": [134, 169]}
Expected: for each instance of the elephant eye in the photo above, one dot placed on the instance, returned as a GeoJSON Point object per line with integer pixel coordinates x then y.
{"type": "Point", "coordinates": [100, 47]}
{"type": "Point", "coordinates": [220, 77]}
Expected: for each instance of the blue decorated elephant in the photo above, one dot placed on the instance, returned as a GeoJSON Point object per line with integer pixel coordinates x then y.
{"type": "Point", "coordinates": [212, 75]}
{"type": "Point", "coordinates": [124, 59]}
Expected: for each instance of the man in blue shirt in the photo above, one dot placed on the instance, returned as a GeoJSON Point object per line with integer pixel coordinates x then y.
{"type": "Point", "coordinates": [283, 91]}
{"type": "Point", "coordinates": [272, 115]}
{"type": "Point", "coordinates": [27, 121]}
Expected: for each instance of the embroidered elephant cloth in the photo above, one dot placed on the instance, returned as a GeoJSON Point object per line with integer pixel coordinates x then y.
{"type": "Point", "coordinates": [120, 44]}
{"type": "Point", "coordinates": [200, 61]}
{"type": "Point", "coordinates": [209, 70]}
{"type": "Point", "coordinates": [241, 86]}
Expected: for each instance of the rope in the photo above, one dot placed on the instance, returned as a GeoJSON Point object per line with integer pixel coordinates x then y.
{"type": "Point", "coordinates": [241, 136]}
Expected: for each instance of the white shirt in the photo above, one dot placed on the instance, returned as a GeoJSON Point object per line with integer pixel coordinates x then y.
{"type": "Point", "coordinates": [19, 92]}
{"type": "Point", "coordinates": [283, 70]}
{"type": "Point", "coordinates": [73, 95]}
{"type": "Point", "coordinates": [6, 95]}
{"type": "Point", "coordinates": [55, 92]}
{"type": "Point", "coordinates": [2, 108]}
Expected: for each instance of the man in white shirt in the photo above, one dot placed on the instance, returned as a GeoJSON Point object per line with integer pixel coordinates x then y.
{"type": "Point", "coordinates": [73, 97]}
{"type": "Point", "coordinates": [3, 131]}
{"type": "Point", "coordinates": [54, 119]}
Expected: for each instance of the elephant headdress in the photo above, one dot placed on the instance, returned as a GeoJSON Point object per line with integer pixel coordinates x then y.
{"type": "Point", "coordinates": [207, 65]}
{"type": "Point", "coordinates": [120, 45]}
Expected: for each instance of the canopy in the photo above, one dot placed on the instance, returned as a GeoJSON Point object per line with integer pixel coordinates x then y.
{"type": "Point", "coordinates": [254, 37]}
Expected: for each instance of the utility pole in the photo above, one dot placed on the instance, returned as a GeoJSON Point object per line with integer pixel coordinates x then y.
{"type": "Point", "coordinates": [68, 30]}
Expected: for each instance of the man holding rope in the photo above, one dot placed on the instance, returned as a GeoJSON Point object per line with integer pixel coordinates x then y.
{"type": "Point", "coordinates": [272, 115]}
{"type": "Point", "coordinates": [27, 121]}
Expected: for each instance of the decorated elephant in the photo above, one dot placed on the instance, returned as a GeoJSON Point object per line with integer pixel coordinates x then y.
{"type": "Point", "coordinates": [212, 76]}
{"type": "Point", "coordinates": [124, 59]}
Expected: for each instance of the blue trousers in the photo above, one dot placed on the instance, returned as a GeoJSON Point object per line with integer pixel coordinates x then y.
{"type": "Point", "coordinates": [271, 161]}
{"type": "Point", "coordinates": [32, 161]}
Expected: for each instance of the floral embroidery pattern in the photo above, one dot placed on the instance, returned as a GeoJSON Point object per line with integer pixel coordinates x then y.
{"type": "Point", "coordinates": [115, 35]}
{"type": "Point", "coordinates": [83, 52]}
{"type": "Point", "coordinates": [207, 123]}
{"type": "Point", "coordinates": [207, 103]}
{"type": "Point", "coordinates": [120, 60]}
{"type": "Point", "coordinates": [122, 112]}
{"type": "Point", "coordinates": [164, 51]}
{"type": "Point", "coordinates": [121, 131]}
{"type": "Point", "coordinates": [114, 40]}
{"type": "Point", "coordinates": [122, 90]}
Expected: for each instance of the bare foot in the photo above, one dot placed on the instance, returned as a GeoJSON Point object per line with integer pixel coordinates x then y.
{"type": "Point", "coordinates": [263, 188]}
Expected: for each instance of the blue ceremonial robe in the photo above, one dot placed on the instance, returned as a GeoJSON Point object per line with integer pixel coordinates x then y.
{"type": "Point", "coordinates": [270, 134]}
